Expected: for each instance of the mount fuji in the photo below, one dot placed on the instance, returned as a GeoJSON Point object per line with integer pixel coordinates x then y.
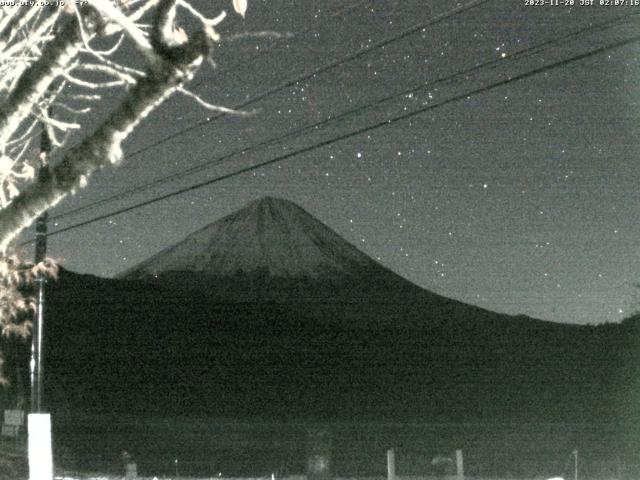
{"type": "Point", "coordinates": [273, 250]}
{"type": "Point", "coordinates": [268, 313]}
{"type": "Point", "coordinates": [271, 236]}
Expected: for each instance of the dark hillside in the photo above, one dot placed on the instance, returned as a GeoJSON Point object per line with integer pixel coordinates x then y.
{"type": "Point", "coordinates": [122, 345]}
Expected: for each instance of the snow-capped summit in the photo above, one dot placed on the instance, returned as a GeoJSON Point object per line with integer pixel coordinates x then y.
{"type": "Point", "coordinates": [269, 235]}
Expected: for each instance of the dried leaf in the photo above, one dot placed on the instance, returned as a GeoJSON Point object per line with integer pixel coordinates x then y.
{"type": "Point", "coordinates": [28, 171]}
{"type": "Point", "coordinates": [12, 189]}
{"type": "Point", "coordinates": [180, 36]}
{"type": "Point", "coordinates": [240, 6]}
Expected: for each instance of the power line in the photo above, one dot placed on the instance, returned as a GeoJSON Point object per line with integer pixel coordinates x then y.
{"type": "Point", "coordinates": [319, 70]}
{"type": "Point", "coordinates": [313, 73]}
{"type": "Point", "coordinates": [354, 133]}
{"type": "Point", "coordinates": [495, 62]}
{"type": "Point", "coordinates": [249, 61]}
{"type": "Point", "coordinates": [524, 53]}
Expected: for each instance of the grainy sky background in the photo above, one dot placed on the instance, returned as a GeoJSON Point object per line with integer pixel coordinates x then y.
{"type": "Point", "coordinates": [521, 198]}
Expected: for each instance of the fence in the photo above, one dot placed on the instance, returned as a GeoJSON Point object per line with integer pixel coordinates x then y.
{"type": "Point", "coordinates": [218, 449]}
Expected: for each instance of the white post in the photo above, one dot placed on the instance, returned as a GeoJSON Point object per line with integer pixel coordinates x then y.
{"type": "Point", "coordinates": [459, 465]}
{"type": "Point", "coordinates": [131, 471]}
{"type": "Point", "coordinates": [40, 455]}
{"type": "Point", "coordinates": [391, 465]}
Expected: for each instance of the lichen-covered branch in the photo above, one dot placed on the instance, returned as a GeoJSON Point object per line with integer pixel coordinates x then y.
{"type": "Point", "coordinates": [173, 65]}
{"type": "Point", "coordinates": [36, 79]}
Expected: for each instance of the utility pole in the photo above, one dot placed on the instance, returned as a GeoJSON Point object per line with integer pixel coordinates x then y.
{"type": "Point", "coordinates": [39, 423]}
{"type": "Point", "coordinates": [41, 281]}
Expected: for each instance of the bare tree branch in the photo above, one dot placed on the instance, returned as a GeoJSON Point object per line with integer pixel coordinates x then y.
{"type": "Point", "coordinates": [110, 11]}
{"type": "Point", "coordinates": [35, 80]}
{"type": "Point", "coordinates": [174, 66]}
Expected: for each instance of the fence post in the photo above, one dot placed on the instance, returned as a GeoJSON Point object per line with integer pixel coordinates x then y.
{"type": "Point", "coordinates": [391, 464]}
{"type": "Point", "coordinates": [319, 446]}
{"type": "Point", "coordinates": [459, 465]}
{"type": "Point", "coordinates": [131, 471]}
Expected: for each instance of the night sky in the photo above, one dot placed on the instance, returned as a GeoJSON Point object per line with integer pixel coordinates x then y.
{"type": "Point", "coordinates": [520, 198]}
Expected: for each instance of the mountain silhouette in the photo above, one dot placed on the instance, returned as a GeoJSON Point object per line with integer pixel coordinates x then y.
{"type": "Point", "coordinates": [267, 313]}
{"type": "Point", "coordinates": [273, 250]}
{"type": "Point", "coordinates": [270, 235]}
